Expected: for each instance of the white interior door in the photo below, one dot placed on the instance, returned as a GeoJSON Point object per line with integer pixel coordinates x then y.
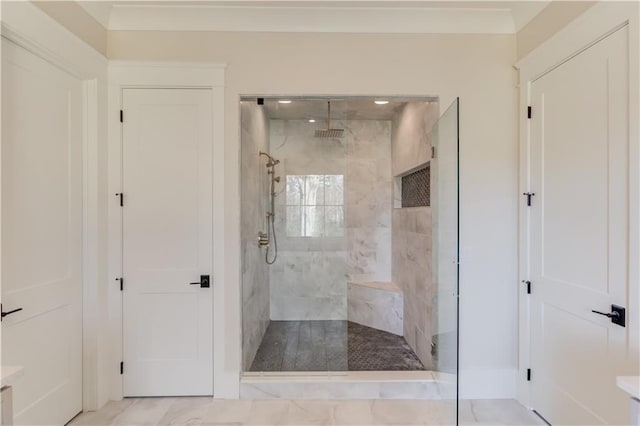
{"type": "Point", "coordinates": [580, 236]}
{"type": "Point", "coordinates": [167, 242]}
{"type": "Point", "coordinates": [42, 236]}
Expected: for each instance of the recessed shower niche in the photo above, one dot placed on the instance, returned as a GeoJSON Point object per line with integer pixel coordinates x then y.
{"type": "Point", "coordinates": [340, 253]}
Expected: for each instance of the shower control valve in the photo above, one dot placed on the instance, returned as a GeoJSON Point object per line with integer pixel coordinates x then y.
{"type": "Point", "coordinates": [263, 239]}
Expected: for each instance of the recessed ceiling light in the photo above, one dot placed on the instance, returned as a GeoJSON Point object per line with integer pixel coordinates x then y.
{"type": "Point", "coordinates": [381, 102]}
{"type": "Point", "coordinates": [312, 120]}
{"type": "Point", "coordinates": [286, 101]}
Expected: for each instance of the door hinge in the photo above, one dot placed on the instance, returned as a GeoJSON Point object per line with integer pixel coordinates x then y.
{"type": "Point", "coordinates": [121, 283]}
{"type": "Point", "coordinates": [528, 195]}
{"type": "Point", "coordinates": [433, 152]}
{"type": "Point", "coordinates": [528, 374]}
{"type": "Point", "coordinates": [121, 367]}
{"type": "Point", "coordinates": [529, 111]}
{"type": "Point", "coordinates": [121, 196]}
{"type": "Point", "coordinates": [528, 283]}
{"type": "Point", "coordinates": [121, 116]}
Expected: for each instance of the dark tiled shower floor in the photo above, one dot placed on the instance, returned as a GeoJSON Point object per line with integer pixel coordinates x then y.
{"type": "Point", "coordinates": [331, 346]}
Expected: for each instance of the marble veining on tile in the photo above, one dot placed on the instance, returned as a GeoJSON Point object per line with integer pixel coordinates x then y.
{"type": "Point", "coordinates": [255, 275]}
{"type": "Point", "coordinates": [411, 228]}
{"type": "Point", "coordinates": [309, 279]}
{"type": "Point", "coordinates": [190, 411]}
{"type": "Point", "coordinates": [376, 304]}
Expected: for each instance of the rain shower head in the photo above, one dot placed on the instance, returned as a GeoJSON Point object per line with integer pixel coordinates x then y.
{"type": "Point", "coordinates": [329, 132]}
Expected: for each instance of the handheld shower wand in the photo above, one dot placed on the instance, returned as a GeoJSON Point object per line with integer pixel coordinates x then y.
{"type": "Point", "coordinates": [264, 239]}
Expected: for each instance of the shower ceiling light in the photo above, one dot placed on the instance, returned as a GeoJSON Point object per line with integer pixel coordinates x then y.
{"type": "Point", "coordinates": [312, 121]}
{"type": "Point", "coordinates": [381, 102]}
{"type": "Point", "coordinates": [285, 101]}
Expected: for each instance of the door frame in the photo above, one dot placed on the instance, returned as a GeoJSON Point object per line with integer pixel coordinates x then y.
{"type": "Point", "coordinates": [163, 75]}
{"type": "Point", "coordinates": [587, 29]}
{"type": "Point", "coordinates": [30, 28]}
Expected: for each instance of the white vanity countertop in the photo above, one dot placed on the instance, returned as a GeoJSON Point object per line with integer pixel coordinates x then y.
{"type": "Point", "coordinates": [10, 373]}
{"type": "Point", "coordinates": [629, 384]}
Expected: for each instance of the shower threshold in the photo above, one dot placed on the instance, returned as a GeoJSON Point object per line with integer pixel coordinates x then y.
{"type": "Point", "coordinates": [348, 385]}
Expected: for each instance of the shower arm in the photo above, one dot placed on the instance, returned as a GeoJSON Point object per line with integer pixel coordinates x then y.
{"type": "Point", "coordinates": [272, 161]}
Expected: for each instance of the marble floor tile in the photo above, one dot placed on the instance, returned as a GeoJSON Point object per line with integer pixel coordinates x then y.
{"type": "Point", "coordinates": [228, 412]}
{"type": "Point", "coordinates": [499, 412]}
{"type": "Point", "coordinates": [105, 416]}
{"type": "Point", "coordinates": [311, 413]}
{"type": "Point", "coordinates": [405, 412]}
{"type": "Point", "coordinates": [208, 412]}
{"type": "Point", "coordinates": [354, 412]}
{"type": "Point", "coordinates": [186, 411]}
{"type": "Point", "coordinates": [268, 412]}
{"type": "Point", "coordinates": [144, 411]}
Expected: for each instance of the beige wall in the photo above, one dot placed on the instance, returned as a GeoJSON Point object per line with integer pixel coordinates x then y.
{"type": "Point", "coordinates": [76, 20]}
{"type": "Point", "coordinates": [548, 22]}
{"type": "Point", "coordinates": [478, 68]}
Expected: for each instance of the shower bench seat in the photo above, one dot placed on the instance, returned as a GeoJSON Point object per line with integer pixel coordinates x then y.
{"type": "Point", "coordinates": [376, 304]}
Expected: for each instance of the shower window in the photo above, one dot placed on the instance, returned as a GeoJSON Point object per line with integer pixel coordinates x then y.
{"type": "Point", "coordinates": [315, 205]}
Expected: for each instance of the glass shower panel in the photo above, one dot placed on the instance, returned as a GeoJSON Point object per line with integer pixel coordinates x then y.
{"type": "Point", "coordinates": [445, 254]}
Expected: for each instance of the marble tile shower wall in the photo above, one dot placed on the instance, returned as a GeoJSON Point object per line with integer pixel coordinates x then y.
{"type": "Point", "coordinates": [411, 139]}
{"type": "Point", "coordinates": [412, 236]}
{"type": "Point", "coordinates": [309, 279]}
{"type": "Point", "coordinates": [412, 273]}
{"type": "Point", "coordinates": [255, 273]}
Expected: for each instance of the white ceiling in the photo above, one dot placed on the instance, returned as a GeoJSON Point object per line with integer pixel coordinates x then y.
{"type": "Point", "coordinates": [349, 107]}
{"type": "Point", "coordinates": [353, 16]}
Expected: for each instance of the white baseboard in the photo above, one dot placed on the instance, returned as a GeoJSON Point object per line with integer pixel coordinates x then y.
{"type": "Point", "coordinates": [488, 384]}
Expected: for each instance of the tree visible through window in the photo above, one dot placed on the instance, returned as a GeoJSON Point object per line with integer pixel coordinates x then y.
{"type": "Point", "coordinates": [315, 205]}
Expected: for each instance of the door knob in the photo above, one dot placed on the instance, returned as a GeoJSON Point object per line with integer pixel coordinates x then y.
{"type": "Point", "coordinates": [617, 314]}
{"type": "Point", "coordinates": [203, 283]}
{"type": "Point", "coordinates": [4, 314]}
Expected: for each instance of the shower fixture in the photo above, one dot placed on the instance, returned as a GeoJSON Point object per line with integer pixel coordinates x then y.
{"type": "Point", "coordinates": [329, 132]}
{"type": "Point", "coordinates": [264, 238]}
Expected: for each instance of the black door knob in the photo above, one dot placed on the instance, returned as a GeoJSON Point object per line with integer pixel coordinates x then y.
{"type": "Point", "coordinates": [608, 315]}
{"type": "Point", "coordinates": [617, 315]}
{"type": "Point", "coordinates": [4, 314]}
{"type": "Point", "coordinates": [203, 283]}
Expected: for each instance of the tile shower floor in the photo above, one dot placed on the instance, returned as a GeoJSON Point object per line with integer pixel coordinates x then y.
{"type": "Point", "coordinates": [332, 346]}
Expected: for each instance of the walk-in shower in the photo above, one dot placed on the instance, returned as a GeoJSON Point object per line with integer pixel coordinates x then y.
{"type": "Point", "coordinates": [265, 238]}
{"type": "Point", "coordinates": [358, 226]}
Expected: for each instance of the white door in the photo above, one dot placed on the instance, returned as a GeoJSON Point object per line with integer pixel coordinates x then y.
{"type": "Point", "coordinates": [42, 236]}
{"type": "Point", "coordinates": [167, 242]}
{"type": "Point", "coordinates": [580, 235]}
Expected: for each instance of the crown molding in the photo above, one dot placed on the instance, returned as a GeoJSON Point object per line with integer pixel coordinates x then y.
{"type": "Point", "coordinates": [354, 16]}
{"type": "Point", "coordinates": [312, 19]}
